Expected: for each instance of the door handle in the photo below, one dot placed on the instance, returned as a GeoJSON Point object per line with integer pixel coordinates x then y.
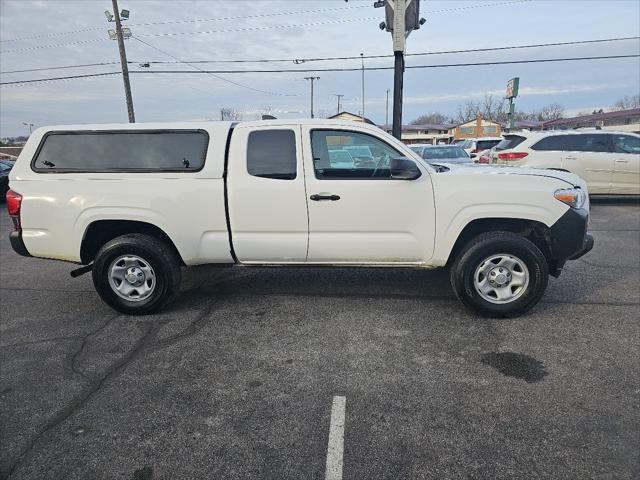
{"type": "Point", "coordinates": [317, 197]}
{"type": "Point", "coordinates": [570, 158]}
{"type": "Point", "coordinates": [622, 161]}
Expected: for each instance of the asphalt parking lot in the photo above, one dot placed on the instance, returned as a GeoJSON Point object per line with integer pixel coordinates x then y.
{"type": "Point", "coordinates": [236, 378]}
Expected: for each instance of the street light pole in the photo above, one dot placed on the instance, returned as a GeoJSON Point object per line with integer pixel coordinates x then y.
{"type": "Point", "coordinates": [30, 125]}
{"type": "Point", "coordinates": [123, 62]}
{"type": "Point", "coordinates": [386, 111]}
{"type": "Point", "coordinates": [312, 80]}
{"type": "Point", "coordinates": [362, 58]}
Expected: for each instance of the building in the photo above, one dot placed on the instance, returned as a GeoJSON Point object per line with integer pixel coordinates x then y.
{"type": "Point", "coordinates": [10, 153]}
{"type": "Point", "coordinates": [624, 120]}
{"type": "Point", "coordinates": [477, 128]}
{"type": "Point", "coordinates": [352, 117]}
{"type": "Point", "coordinates": [431, 133]}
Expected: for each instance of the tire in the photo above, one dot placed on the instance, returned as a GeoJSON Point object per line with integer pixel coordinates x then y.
{"type": "Point", "coordinates": [149, 261]}
{"type": "Point", "coordinates": [524, 279]}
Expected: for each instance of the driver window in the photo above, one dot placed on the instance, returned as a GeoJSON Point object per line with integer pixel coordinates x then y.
{"type": "Point", "coordinates": [340, 154]}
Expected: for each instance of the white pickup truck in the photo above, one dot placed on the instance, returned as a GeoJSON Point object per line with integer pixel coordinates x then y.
{"type": "Point", "coordinates": [133, 203]}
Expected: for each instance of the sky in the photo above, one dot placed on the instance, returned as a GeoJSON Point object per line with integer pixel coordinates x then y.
{"type": "Point", "coordinates": [39, 34]}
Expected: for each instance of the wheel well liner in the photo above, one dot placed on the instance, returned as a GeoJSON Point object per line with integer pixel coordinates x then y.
{"type": "Point", "coordinates": [536, 232]}
{"type": "Point", "coordinates": [101, 231]}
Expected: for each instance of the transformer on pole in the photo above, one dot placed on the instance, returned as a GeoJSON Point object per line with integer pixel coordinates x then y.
{"type": "Point", "coordinates": [401, 18]}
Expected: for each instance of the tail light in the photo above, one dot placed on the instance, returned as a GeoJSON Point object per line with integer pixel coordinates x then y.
{"type": "Point", "coordinates": [512, 155]}
{"type": "Point", "coordinates": [484, 159]}
{"type": "Point", "coordinates": [14, 202]}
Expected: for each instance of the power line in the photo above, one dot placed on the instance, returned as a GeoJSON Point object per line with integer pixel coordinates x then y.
{"type": "Point", "coordinates": [322, 59]}
{"type": "Point", "coordinates": [441, 52]}
{"type": "Point", "coordinates": [259, 29]}
{"type": "Point", "coordinates": [194, 20]}
{"type": "Point", "coordinates": [82, 65]}
{"type": "Point", "coordinates": [246, 29]}
{"type": "Point", "coordinates": [172, 34]}
{"type": "Point", "coordinates": [262, 15]}
{"type": "Point", "coordinates": [510, 62]}
{"type": "Point", "coordinates": [350, 69]}
{"type": "Point", "coordinates": [213, 74]}
{"type": "Point", "coordinates": [61, 78]}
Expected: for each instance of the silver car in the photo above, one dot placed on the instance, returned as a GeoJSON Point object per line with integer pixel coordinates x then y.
{"type": "Point", "coordinates": [442, 153]}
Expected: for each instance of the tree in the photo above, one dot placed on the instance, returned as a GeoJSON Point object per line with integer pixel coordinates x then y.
{"type": "Point", "coordinates": [553, 111]}
{"type": "Point", "coordinates": [433, 117]}
{"type": "Point", "coordinates": [627, 103]}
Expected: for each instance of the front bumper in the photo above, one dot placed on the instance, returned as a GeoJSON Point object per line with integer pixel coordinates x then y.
{"type": "Point", "coordinates": [569, 239]}
{"type": "Point", "coordinates": [17, 243]}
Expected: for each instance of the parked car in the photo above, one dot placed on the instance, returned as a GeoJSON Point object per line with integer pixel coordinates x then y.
{"type": "Point", "coordinates": [443, 154]}
{"type": "Point", "coordinates": [5, 168]}
{"type": "Point", "coordinates": [477, 145]}
{"type": "Point", "coordinates": [608, 161]}
{"type": "Point", "coordinates": [133, 203]}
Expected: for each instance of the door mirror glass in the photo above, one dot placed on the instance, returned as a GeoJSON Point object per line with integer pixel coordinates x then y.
{"type": "Point", "coordinates": [404, 169]}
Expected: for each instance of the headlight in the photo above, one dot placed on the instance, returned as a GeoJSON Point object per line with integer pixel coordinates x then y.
{"type": "Point", "coordinates": [574, 197]}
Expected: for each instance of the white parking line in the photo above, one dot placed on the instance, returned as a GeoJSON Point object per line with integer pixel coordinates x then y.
{"type": "Point", "coordinates": [335, 447]}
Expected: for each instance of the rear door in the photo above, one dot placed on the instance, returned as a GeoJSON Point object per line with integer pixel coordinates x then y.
{"type": "Point", "coordinates": [626, 167]}
{"type": "Point", "coordinates": [589, 156]}
{"type": "Point", "coordinates": [266, 195]}
{"type": "Point", "coordinates": [357, 213]}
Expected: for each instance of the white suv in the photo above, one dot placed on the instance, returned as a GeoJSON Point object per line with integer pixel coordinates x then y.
{"type": "Point", "coordinates": [608, 161]}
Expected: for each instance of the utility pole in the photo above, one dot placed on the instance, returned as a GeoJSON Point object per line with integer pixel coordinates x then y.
{"type": "Point", "coordinates": [362, 58]}
{"type": "Point", "coordinates": [339, 95]}
{"type": "Point", "coordinates": [312, 80]}
{"type": "Point", "coordinates": [120, 36]}
{"type": "Point", "coordinates": [402, 17]}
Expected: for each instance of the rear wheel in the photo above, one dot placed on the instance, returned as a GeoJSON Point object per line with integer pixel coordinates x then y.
{"type": "Point", "coordinates": [500, 274]}
{"type": "Point", "coordinates": [136, 274]}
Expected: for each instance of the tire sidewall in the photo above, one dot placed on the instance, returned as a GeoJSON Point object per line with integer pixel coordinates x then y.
{"type": "Point", "coordinates": [521, 248]}
{"type": "Point", "coordinates": [100, 273]}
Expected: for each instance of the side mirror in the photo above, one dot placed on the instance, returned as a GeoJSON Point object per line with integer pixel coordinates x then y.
{"type": "Point", "coordinates": [474, 155]}
{"type": "Point", "coordinates": [404, 169]}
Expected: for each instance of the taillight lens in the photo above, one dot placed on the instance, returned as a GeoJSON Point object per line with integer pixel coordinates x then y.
{"type": "Point", "coordinates": [512, 155]}
{"type": "Point", "coordinates": [484, 159]}
{"type": "Point", "coordinates": [14, 202]}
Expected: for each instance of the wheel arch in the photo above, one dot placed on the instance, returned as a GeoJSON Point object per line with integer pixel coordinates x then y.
{"type": "Point", "coordinates": [100, 232]}
{"type": "Point", "coordinates": [535, 231]}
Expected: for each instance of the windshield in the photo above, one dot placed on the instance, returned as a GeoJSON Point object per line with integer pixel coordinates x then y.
{"type": "Point", "coordinates": [444, 152]}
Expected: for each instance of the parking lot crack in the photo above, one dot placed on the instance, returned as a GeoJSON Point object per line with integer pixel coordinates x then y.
{"type": "Point", "coordinates": [149, 332]}
{"type": "Point", "coordinates": [190, 330]}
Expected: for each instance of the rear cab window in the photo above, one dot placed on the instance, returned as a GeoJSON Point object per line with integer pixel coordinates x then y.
{"type": "Point", "coordinates": [121, 151]}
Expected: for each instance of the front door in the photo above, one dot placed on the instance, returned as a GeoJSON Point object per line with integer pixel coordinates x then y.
{"type": "Point", "coordinates": [357, 213]}
{"type": "Point", "coordinates": [267, 198]}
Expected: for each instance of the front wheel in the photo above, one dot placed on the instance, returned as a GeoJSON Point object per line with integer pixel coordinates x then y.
{"type": "Point", "coordinates": [136, 274]}
{"type": "Point", "coordinates": [500, 274]}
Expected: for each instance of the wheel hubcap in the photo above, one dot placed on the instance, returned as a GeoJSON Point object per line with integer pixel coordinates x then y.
{"type": "Point", "coordinates": [132, 278]}
{"type": "Point", "coordinates": [501, 278]}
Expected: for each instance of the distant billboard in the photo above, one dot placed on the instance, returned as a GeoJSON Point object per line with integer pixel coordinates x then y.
{"type": "Point", "coordinates": [512, 87]}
